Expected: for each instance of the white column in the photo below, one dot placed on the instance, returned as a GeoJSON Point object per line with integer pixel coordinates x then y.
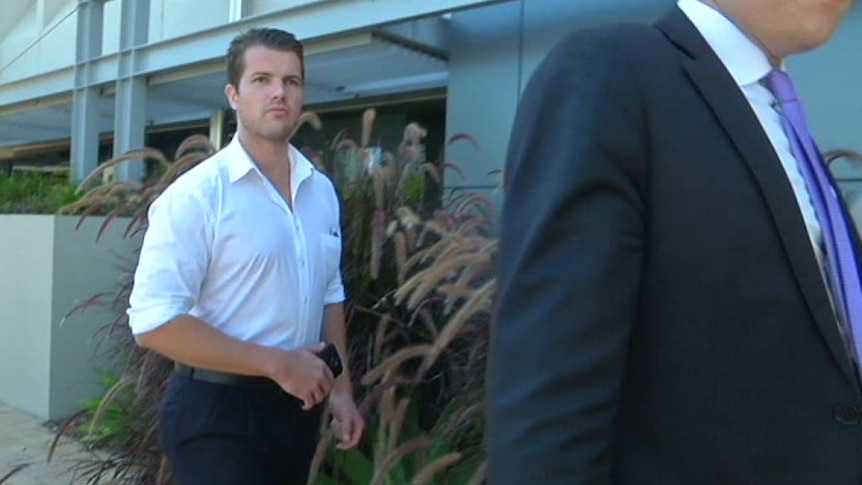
{"type": "Point", "coordinates": [85, 99]}
{"type": "Point", "coordinates": [130, 103]}
{"type": "Point", "coordinates": [217, 120]}
{"type": "Point", "coordinates": [237, 10]}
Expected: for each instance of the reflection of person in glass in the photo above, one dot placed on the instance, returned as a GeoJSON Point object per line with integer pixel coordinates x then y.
{"type": "Point", "coordinates": [239, 283]}
{"type": "Point", "coordinates": [679, 284]}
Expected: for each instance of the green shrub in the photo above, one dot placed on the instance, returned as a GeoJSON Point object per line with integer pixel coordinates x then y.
{"type": "Point", "coordinates": [107, 422]}
{"type": "Point", "coordinates": [35, 193]}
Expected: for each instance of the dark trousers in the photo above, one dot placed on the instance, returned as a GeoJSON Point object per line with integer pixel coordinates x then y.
{"type": "Point", "coordinates": [219, 434]}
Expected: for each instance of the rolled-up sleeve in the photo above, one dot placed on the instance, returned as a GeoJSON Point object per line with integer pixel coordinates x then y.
{"type": "Point", "coordinates": [334, 290]}
{"type": "Point", "coordinates": [173, 260]}
{"type": "Point", "coordinates": [335, 287]}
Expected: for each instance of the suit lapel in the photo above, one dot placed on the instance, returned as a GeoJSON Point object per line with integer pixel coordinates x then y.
{"type": "Point", "coordinates": [733, 112]}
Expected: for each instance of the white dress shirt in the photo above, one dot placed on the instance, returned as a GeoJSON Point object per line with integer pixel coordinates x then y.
{"type": "Point", "coordinates": [748, 64]}
{"type": "Point", "coordinates": [223, 245]}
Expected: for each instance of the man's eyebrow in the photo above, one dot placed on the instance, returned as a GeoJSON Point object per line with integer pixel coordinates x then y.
{"type": "Point", "coordinates": [266, 73]}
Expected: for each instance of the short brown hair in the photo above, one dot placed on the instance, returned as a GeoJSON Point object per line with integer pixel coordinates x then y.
{"type": "Point", "coordinates": [275, 39]}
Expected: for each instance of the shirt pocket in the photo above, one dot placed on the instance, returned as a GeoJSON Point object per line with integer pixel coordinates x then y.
{"type": "Point", "coordinates": [330, 253]}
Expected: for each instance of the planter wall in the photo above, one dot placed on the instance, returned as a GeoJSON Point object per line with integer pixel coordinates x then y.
{"type": "Point", "coordinates": [48, 365]}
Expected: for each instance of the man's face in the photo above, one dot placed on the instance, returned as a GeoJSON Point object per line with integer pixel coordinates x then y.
{"type": "Point", "coordinates": [786, 27]}
{"type": "Point", "coordinates": [268, 99]}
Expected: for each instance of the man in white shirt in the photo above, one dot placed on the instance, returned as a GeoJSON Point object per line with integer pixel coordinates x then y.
{"type": "Point", "coordinates": [239, 283]}
{"type": "Point", "coordinates": [667, 313]}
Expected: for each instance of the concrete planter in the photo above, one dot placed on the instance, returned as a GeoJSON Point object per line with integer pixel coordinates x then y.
{"type": "Point", "coordinates": [48, 365]}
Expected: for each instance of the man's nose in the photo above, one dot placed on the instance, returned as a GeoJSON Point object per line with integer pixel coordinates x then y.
{"type": "Point", "coordinates": [278, 90]}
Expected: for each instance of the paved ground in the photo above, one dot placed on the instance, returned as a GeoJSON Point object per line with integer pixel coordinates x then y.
{"type": "Point", "coordinates": [25, 441]}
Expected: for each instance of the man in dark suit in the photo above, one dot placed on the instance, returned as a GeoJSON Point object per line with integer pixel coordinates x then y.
{"type": "Point", "coordinates": [665, 309]}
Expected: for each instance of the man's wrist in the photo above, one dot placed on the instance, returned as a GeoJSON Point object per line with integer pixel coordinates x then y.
{"type": "Point", "coordinates": [265, 361]}
{"type": "Point", "coordinates": [342, 389]}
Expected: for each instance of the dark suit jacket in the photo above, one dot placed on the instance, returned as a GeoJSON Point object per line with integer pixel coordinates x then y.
{"type": "Point", "coordinates": [661, 317]}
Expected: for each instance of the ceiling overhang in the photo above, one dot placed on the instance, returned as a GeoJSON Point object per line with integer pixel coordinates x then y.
{"type": "Point", "coordinates": [344, 68]}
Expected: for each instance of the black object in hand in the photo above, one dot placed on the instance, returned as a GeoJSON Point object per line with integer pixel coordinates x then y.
{"type": "Point", "coordinates": [330, 356]}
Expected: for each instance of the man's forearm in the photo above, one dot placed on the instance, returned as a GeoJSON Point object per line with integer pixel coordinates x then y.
{"type": "Point", "coordinates": [193, 342]}
{"type": "Point", "coordinates": [335, 331]}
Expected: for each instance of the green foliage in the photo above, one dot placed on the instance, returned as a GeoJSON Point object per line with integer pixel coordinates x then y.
{"type": "Point", "coordinates": [403, 451]}
{"type": "Point", "coordinates": [420, 284]}
{"type": "Point", "coordinates": [414, 190]}
{"type": "Point", "coordinates": [35, 193]}
{"type": "Point", "coordinates": [422, 355]}
{"type": "Point", "coordinates": [108, 418]}
{"type": "Point", "coordinates": [374, 185]}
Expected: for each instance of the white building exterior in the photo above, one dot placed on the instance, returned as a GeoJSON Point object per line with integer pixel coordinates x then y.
{"type": "Point", "coordinates": [72, 71]}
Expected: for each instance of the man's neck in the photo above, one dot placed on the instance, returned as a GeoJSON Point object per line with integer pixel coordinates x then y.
{"type": "Point", "coordinates": [273, 159]}
{"type": "Point", "coordinates": [776, 61]}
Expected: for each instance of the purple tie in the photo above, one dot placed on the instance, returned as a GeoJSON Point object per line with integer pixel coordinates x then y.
{"type": "Point", "coordinates": [842, 270]}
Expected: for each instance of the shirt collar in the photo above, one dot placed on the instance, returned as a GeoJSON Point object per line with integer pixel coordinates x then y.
{"type": "Point", "coordinates": [743, 58]}
{"type": "Point", "coordinates": [302, 167]}
{"type": "Point", "coordinates": [239, 163]}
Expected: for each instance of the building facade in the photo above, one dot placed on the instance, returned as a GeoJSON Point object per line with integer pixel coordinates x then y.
{"type": "Point", "coordinates": [87, 79]}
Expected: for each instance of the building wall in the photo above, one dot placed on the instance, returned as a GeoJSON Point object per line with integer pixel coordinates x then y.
{"type": "Point", "coordinates": [258, 7]}
{"type": "Point", "coordinates": [83, 268]}
{"type": "Point", "coordinates": [56, 49]}
{"type": "Point", "coordinates": [168, 19]}
{"type": "Point", "coordinates": [24, 54]}
{"type": "Point", "coordinates": [111, 27]}
{"type": "Point", "coordinates": [496, 49]}
{"type": "Point", "coordinates": [50, 363]}
{"type": "Point", "coordinates": [483, 90]}
{"type": "Point", "coordinates": [26, 245]}
{"type": "Point", "coordinates": [172, 18]}
{"type": "Point", "coordinates": [828, 82]}
{"type": "Point", "coordinates": [494, 52]}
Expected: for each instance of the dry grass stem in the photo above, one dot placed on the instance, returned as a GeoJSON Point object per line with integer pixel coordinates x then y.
{"type": "Point", "coordinates": [382, 471]}
{"type": "Point", "coordinates": [394, 362]}
{"type": "Point", "coordinates": [368, 118]}
{"type": "Point", "coordinates": [309, 118]}
{"type": "Point", "coordinates": [378, 222]}
{"type": "Point", "coordinates": [479, 302]}
{"type": "Point", "coordinates": [400, 242]}
{"type": "Point", "coordinates": [427, 474]}
{"type": "Point", "coordinates": [431, 278]}
{"type": "Point", "coordinates": [139, 156]}
{"type": "Point", "coordinates": [380, 336]}
{"type": "Point", "coordinates": [15, 469]}
{"type": "Point", "coordinates": [108, 399]}
{"type": "Point", "coordinates": [481, 474]}
{"type": "Point", "coordinates": [397, 422]}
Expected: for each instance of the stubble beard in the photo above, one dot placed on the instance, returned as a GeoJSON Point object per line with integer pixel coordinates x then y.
{"type": "Point", "coordinates": [271, 131]}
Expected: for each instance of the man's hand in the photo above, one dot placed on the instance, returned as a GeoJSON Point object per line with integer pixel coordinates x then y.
{"type": "Point", "coordinates": [347, 423]}
{"type": "Point", "coordinates": [304, 375]}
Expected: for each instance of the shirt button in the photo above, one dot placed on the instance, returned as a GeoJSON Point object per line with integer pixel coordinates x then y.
{"type": "Point", "coordinates": [846, 414]}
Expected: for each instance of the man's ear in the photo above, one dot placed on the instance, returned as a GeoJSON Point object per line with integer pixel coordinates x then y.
{"type": "Point", "coordinates": [231, 94]}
